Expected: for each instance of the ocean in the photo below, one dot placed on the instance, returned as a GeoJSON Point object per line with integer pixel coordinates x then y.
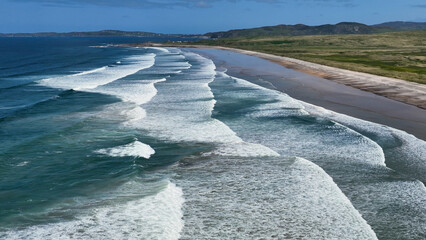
{"type": "Point", "coordinates": [106, 142]}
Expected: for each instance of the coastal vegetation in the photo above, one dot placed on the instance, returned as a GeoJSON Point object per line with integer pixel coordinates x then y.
{"type": "Point", "coordinates": [397, 54]}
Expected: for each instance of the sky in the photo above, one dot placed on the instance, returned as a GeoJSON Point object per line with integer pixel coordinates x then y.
{"type": "Point", "coordinates": [196, 16]}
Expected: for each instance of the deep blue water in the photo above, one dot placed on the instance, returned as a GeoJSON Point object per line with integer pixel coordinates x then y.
{"type": "Point", "coordinates": [102, 142]}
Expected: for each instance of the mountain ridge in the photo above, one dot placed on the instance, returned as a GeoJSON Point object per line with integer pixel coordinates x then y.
{"type": "Point", "coordinates": [277, 30]}
{"type": "Point", "coordinates": [325, 29]}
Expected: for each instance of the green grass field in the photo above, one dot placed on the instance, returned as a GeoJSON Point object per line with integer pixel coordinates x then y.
{"type": "Point", "coordinates": [400, 54]}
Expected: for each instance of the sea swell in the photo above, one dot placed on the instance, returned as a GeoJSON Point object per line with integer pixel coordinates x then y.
{"type": "Point", "coordinates": [163, 145]}
{"type": "Point", "coordinates": [152, 217]}
{"type": "Point", "coordinates": [92, 78]}
{"type": "Point", "coordinates": [355, 162]}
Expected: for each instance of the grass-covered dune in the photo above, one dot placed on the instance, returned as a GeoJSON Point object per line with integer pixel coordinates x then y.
{"type": "Point", "coordinates": [399, 54]}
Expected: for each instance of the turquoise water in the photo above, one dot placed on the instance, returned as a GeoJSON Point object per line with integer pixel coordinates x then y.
{"type": "Point", "coordinates": [102, 142]}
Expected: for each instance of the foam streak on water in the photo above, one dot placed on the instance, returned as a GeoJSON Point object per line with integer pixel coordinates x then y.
{"type": "Point", "coordinates": [153, 217]}
{"type": "Point", "coordinates": [100, 76]}
{"type": "Point", "coordinates": [342, 146]}
{"type": "Point", "coordinates": [405, 153]}
{"type": "Point", "coordinates": [182, 112]}
{"type": "Point", "coordinates": [136, 91]}
{"type": "Point", "coordinates": [267, 198]}
{"type": "Point", "coordinates": [182, 109]}
{"type": "Point", "coordinates": [134, 149]}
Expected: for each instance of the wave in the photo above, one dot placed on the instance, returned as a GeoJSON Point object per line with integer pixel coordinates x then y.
{"type": "Point", "coordinates": [100, 76]}
{"type": "Point", "coordinates": [242, 149]}
{"type": "Point", "coordinates": [6, 111]}
{"type": "Point", "coordinates": [272, 104]}
{"type": "Point", "coordinates": [189, 100]}
{"type": "Point", "coordinates": [275, 104]}
{"type": "Point", "coordinates": [322, 186]}
{"type": "Point", "coordinates": [245, 183]}
{"type": "Point", "coordinates": [153, 217]}
{"type": "Point", "coordinates": [7, 84]}
{"type": "Point", "coordinates": [182, 112]}
{"type": "Point", "coordinates": [136, 91]}
{"type": "Point", "coordinates": [282, 198]}
{"type": "Point", "coordinates": [395, 148]}
{"type": "Point", "coordinates": [104, 46]}
{"type": "Point", "coordinates": [164, 50]}
{"type": "Point", "coordinates": [141, 91]}
{"type": "Point", "coordinates": [134, 114]}
{"type": "Point", "coordinates": [171, 65]}
{"type": "Point", "coordinates": [358, 160]}
{"type": "Point", "coordinates": [134, 149]}
{"type": "Point", "coordinates": [91, 71]}
{"type": "Point", "coordinates": [404, 153]}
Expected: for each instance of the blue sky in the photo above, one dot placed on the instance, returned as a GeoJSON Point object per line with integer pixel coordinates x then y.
{"type": "Point", "coordinates": [196, 16]}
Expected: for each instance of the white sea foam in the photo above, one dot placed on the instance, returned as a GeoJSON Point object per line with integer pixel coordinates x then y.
{"type": "Point", "coordinates": [227, 198]}
{"type": "Point", "coordinates": [137, 91]}
{"type": "Point", "coordinates": [236, 195]}
{"type": "Point", "coordinates": [182, 111]}
{"type": "Point", "coordinates": [134, 114]}
{"type": "Point", "coordinates": [181, 65]}
{"type": "Point", "coordinates": [102, 46]}
{"type": "Point", "coordinates": [272, 103]}
{"type": "Point", "coordinates": [171, 62]}
{"type": "Point", "coordinates": [153, 217]}
{"type": "Point", "coordinates": [404, 152]}
{"type": "Point", "coordinates": [352, 151]}
{"type": "Point", "coordinates": [96, 77]}
{"type": "Point", "coordinates": [242, 149]}
{"type": "Point", "coordinates": [279, 104]}
{"type": "Point", "coordinates": [120, 112]}
{"type": "Point", "coordinates": [21, 164]}
{"type": "Point", "coordinates": [134, 149]}
{"type": "Point", "coordinates": [164, 50]}
{"type": "Point", "coordinates": [91, 71]}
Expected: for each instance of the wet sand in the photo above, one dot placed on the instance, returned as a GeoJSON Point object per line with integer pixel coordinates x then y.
{"type": "Point", "coordinates": [320, 91]}
{"type": "Point", "coordinates": [396, 89]}
{"type": "Point", "coordinates": [402, 91]}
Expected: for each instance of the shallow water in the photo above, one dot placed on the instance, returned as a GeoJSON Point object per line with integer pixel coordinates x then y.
{"type": "Point", "coordinates": [155, 143]}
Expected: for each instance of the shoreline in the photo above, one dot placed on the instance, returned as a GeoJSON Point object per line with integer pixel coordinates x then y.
{"type": "Point", "coordinates": [392, 88]}
{"type": "Point", "coordinates": [321, 92]}
{"type": "Point", "coordinates": [396, 89]}
{"type": "Point", "coordinates": [317, 90]}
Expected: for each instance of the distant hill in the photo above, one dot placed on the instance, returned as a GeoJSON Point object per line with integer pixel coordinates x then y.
{"type": "Point", "coordinates": [104, 33]}
{"type": "Point", "coordinates": [327, 29]}
{"type": "Point", "coordinates": [403, 25]}
{"type": "Point", "coordinates": [279, 30]}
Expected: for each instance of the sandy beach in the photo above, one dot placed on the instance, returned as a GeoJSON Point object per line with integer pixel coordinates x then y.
{"type": "Point", "coordinates": [396, 89]}
{"type": "Point", "coordinates": [322, 92]}
{"type": "Point", "coordinates": [392, 88]}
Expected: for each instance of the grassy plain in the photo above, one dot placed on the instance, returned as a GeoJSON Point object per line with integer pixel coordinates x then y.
{"type": "Point", "coordinates": [399, 55]}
